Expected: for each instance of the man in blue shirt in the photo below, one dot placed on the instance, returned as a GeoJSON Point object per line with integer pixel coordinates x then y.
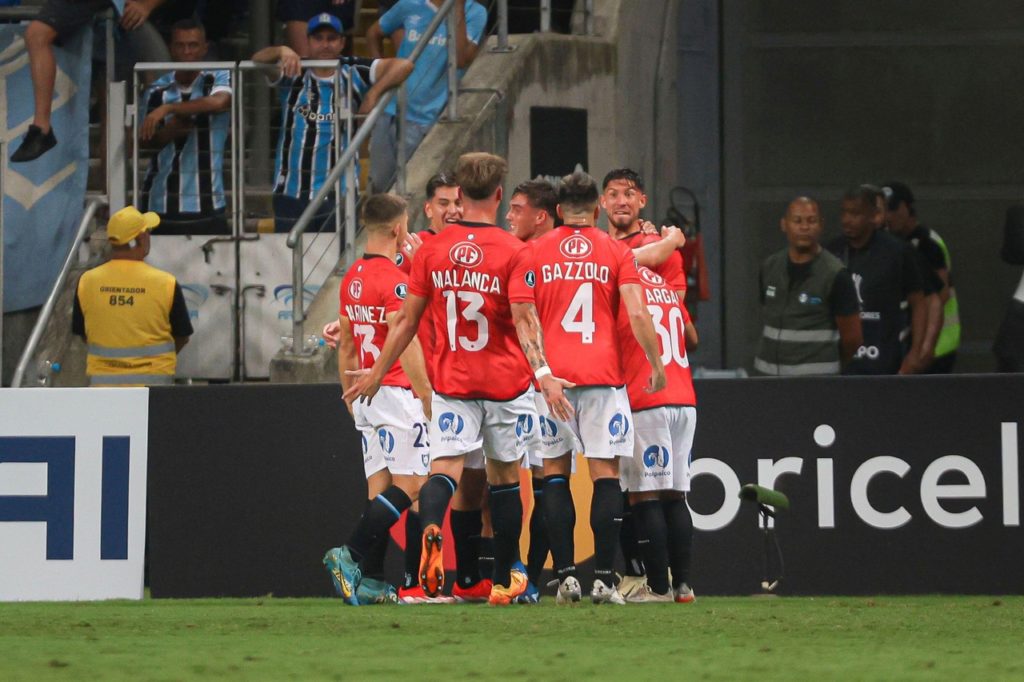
{"type": "Point", "coordinates": [427, 90]}
{"type": "Point", "coordinates": [186, 118]}
{"type": "Point", "coordinates": [57, 21]}
{"type": "Point", "coordinates": [305, 148]}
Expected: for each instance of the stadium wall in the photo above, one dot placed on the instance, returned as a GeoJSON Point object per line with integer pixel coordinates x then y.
{"type": "Point", "coordinates": [896, 486]}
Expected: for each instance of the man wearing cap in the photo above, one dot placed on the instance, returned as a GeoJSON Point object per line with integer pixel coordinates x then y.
{"type": "Point", "coordinates": [132, 316]}
{"type": "Point", "coordinates": [902, 219]}
{"type": "Point", "coordinates": [305, 148]}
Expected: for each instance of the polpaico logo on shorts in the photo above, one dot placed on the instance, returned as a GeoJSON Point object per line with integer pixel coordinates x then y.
{"type": "Point", "coordinates": [524, 425]}
{"type": "Point", "coordinates": [656, 456]}
{"type": "Point", "coordinates": [387, 440]}
{"type": "Point", "coordinates": [449, 422]}
{"type": "Point", "coordinates": [618, 427]}
{"type": "Point", "coordinates": [548, 427]}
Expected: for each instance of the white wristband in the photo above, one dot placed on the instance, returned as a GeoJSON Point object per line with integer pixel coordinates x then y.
{"type": "Point", "coordinates": [542, 372]}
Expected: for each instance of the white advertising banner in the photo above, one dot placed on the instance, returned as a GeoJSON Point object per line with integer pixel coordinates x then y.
{"type": "Point", "coordinates": [266, 284]}
{"type": "Point", "coordinates": [72, 493]}
{"type": "Point", "coordinates": [207, 279]}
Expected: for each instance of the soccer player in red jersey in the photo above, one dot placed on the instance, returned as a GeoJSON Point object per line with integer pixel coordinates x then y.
{"type": "Point", "coordinates": [582, 274]}
{"type": "Point", "coordinates": [657, 477]}
{"type": "Point", "coordinates": [394, 428]}
{"type": "Point", "coordinates": [442, 207]}
{"type": "Point", "coordinates": [622, 199]}
{"type": "Point", "coordinates": [478, 281]}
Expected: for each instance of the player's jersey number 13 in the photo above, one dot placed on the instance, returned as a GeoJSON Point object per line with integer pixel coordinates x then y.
{"type": "Point", "coordinates": [467, 306]}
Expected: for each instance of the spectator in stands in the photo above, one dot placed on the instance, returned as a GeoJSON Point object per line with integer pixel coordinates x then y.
{"type": "Point", "coordinates": [305, 148]}
{"type": "Point", "coordinates": [427, 91]}
{"type": "Point", "coordinates": [57, 21]}
{"type": "Point", "coordinates": [1009, 346]}
{"type": "Point", "coordinates": [902, 220]}
{"type": "Point", "coordinates": [296, 15]}
{"type": "Point", "coordinates": [186, 118]}
{"type": "Point", "coordinates": [808, 302]}
{"type": "Point", "coordinates": [132, 316]}
{"type": "Point", "coordinates": [886, 278]}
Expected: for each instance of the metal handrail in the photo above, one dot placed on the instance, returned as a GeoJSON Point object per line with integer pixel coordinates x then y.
{"type": "Point", "coordinates": [58, 287]}
{"type": "Point", "coordinates": [347, 159]}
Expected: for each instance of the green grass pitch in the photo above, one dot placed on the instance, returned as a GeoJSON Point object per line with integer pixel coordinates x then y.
{"type": "Point", "coordinates": [715, 638]}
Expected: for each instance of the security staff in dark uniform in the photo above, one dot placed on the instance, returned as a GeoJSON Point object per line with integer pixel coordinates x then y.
{"type": "Point", "coordinates": [132, 316]}
{"type": "Point", "coordinates": [808, 301]}
{"type": "Point", "coordinates": [888, 282]}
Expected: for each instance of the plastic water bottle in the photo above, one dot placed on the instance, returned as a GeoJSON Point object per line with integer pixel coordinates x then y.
{"type": "Point", "coordinates": [45, 371]}
{"type": "Point", "coordinates": [311, 344]}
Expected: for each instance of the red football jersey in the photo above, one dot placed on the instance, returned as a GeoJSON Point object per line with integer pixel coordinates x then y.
{"type": "Point", "coordinates": [671, 270]}
{"type": "Point", "coordinates": [579, 271]}
{"type": "Point", "coordinates": [372, 288]}
{"type": "Point", "coordinates": [471, 273]}
{"type": "Point", "coordinates": [669, 316]}
{"type": "Point", "coordinates": [403, 260]}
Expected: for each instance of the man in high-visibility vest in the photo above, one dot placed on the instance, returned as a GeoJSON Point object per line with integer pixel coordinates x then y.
{"type": "Point", "coordinates": [132, 316]}
{"type": "Point", "coordinates": [902, 219]}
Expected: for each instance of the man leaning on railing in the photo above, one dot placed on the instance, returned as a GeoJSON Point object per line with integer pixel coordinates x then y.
{"type": "Point", "coordinates": [427, 92]}
{"type": "Point", "coordinates": [305, 148]}
{"type": "Point", "coordinates": [185, 123]}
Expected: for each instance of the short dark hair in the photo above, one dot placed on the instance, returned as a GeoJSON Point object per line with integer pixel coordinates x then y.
{"type": "Point", "coordinates": [627, 174]}
{"type": "Point", "coordinates": [479, 174]}
{"type": "Point", "coordinates": [382, 210]}
{"type": "Point", "coordinates": [866, 193]}
{"type": "Point", "coordinates": [578, 193]}
{"type": "Point", "coordinates": [188, 24]}
{"type": "Point", "coordinates": [442, 179]}
{"type": "Point", "coordinates": [540, 194]}
{"type": "Point", "coordinates": [897, 193]}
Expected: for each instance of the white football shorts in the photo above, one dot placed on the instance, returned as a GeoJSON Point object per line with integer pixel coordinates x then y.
{"type": "Point", "coordinates": [661, 454]}
{"type": "Point", "coordinates": [504, 429]}
{"type": "Point", "coordinates": [556, 437]}
{"type": "Point", "coordinates": [603, 423]}
{"type": "Point", "coordinates": [395, 433]}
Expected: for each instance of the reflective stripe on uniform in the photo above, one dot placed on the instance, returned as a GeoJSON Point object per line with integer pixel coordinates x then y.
{"type": "Point", "coordinates": [801, 335]}
{"type": "Point", "coordinates": [122, 379]}
{"type": "Point", "coordinates": [135, 352]}
{"type": "Point", "coordinates": [804, 369]}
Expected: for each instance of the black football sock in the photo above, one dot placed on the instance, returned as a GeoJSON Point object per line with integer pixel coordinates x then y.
{"type": "Point", "coordinates": [466, 527]}
{"type": "Point", "coordinates": [628, 540]}
{"type": "Point", "coordinates": [605, 521]}
{"type": "Point", "coordinates": [653, 540]}
{"type": "Point", "coordinates": [435, 495]}
{"type": "Point", "coordinates": [372, 565]}
{"type": "Point", "coordinates": [539, 544]}
{"type": "Point", "coordinates": [377, 520]}
{"type": "Point", "coordinates": [413, 547]}
{"type": "Point", "coordinates": [680, 539]}
{"type": "Point", "coordinates": [560, 514]}
{"type": "Point", "coordinates": [485, 554]}
{"type": "Point", "coordinates": [507, 520]}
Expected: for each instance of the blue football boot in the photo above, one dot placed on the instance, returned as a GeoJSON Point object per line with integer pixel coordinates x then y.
{"type": "Point", "coordinates": [345, 573]}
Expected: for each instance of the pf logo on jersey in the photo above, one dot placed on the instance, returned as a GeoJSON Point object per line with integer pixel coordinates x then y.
{"type": "Point", "coordinates": [466, 254]}
{"type": "Point", "coordinates": [451, 423]}
{"type": "Point", "coordinates": [656, 456]}
{"type": "Point", "coordinates": [576, 246]}
{"type": "Point", "coordinates": [355, 288]}
{"type": "Point", "coordinates": [651, 277]}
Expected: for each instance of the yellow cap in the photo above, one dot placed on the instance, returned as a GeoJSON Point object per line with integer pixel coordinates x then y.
{"type": "Point", "coordinates": [128, 223]}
